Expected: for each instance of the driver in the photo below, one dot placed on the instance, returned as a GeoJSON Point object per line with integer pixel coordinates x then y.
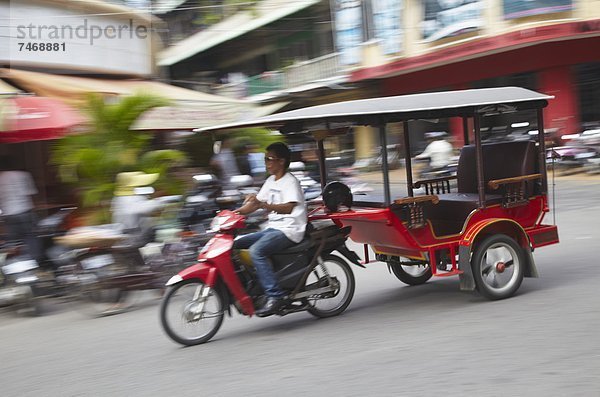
{"type": "Point", "coordinates": [280, 195]}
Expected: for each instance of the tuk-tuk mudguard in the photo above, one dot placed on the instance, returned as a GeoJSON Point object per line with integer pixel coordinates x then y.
{"type": "Point", "coordinates": [497, 225]}
{"type": "Point", "coordinates": [467, 282]}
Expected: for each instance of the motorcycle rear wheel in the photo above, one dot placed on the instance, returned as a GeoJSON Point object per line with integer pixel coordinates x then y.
{"type": "Point", "coordinates": [334, 271]}
{"type": "Point", "coordinates": [180, 318]}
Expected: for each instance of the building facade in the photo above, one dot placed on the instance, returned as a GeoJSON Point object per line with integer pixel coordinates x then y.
{"type": "Point", "coordinates": [393, 47]}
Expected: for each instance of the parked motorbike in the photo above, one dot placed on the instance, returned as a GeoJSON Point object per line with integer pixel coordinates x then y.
{"type": "Point", "coordinates": [18, 280]}
{"type": "Point", "coordinates": [426, 172]}
{"type": "Point", "coordinates": [208, 197]}
{"type": "Point", "coordinates": [108, 263]}
{"type": "Point", "coordinates": [570, 159]}
{"type": "Point", "coordinates": [47, 229]}
{"type": "Point", "coordinates": [312, 188]}
{"type": "Point", "coordinates": [316, 281]}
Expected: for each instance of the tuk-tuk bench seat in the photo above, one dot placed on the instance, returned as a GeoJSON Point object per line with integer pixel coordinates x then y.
{"type": "Point", "coordinates": [450, 213]}
{"type": "Point", "coordinates": [446, 212]}
{"type": "Point", "coordinates": [470, 200]}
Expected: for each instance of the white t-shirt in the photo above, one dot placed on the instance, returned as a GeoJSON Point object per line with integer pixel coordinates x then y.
{"type": "Point", "coordinates": [16, 189]}
{"type": "Point", "coordinates": [130, 211]}
{"type": "Point", "coordinates": [285, 190]}
{"type": "Point", "coordinates": [440, 153]}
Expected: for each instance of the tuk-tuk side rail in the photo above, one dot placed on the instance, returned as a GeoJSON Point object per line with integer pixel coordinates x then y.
{"type": "Point", "coordinates": [516, 189]}
{"type": "Point", "coordinates": [436, 186]}
{"type": "Point", "coordinates": [419, 199]}
{"type": "Point", "coordinates": [370, 213]}
{"type": "Point", "coordinates": [412, 209]}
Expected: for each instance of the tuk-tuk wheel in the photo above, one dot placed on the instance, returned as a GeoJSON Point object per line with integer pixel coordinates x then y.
{"type": "Point", "coordinates": [413, 274]}
{"type": "Point", "coordinates": [498, 264]}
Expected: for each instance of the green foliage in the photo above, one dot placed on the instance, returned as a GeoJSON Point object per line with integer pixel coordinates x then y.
{"type": "Point", "coordinates": [159, 161]}
{"type": "Point", "coordinates": [91, 161]}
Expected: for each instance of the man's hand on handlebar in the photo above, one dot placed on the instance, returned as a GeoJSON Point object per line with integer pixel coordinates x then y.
{"type": "Point", "coordinates": [251, 204]}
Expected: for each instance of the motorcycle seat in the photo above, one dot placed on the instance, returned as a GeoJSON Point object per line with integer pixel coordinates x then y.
{"type": "Point", "coordinates": [329, 231]}
{"type": "Point", "coordinates": [303, 246]}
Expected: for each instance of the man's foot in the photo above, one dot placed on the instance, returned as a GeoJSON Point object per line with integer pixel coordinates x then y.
{"type": "Point", "coordinates": [271, 306]}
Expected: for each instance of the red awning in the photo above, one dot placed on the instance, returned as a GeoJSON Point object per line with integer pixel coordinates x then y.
{"type": "Point", "coordinates": [34, 118]}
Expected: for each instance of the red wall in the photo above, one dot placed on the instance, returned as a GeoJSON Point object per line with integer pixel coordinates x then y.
{"type": "Point", "coordinates": [552, 63]}
{"type": "Point", "coordinates": [563, 111]}
{"type": "Point", "coordinates": [534, 58]}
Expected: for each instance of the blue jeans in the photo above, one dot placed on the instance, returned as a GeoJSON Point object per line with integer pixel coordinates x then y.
{"type": "Point", "coordinates": [262, 245]}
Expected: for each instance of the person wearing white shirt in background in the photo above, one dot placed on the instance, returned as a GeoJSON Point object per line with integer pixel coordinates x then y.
{"type": "Point", "coordinates": [130, 210]}
{"type": "Point", "coordinates": [16, 204]}
{"type": "Point", "coordinates": [438, 151]}
{"type": "Point", "coordinates": [281, 195]}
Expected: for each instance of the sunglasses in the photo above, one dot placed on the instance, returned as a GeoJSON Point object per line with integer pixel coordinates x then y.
{"type": "Point", "coordinates": [270, 158]}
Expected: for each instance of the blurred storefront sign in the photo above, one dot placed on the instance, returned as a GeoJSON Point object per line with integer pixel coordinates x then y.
{"type": "Point", "coordinates": [518, 8]}
{"type": "Point", "coordinates": [451, 18]}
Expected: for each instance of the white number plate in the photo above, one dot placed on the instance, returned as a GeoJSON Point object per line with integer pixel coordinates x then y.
{"type": "Point", "coordinates": [96, 262]}
{"type": "Point", "coordinates": [19, 267]}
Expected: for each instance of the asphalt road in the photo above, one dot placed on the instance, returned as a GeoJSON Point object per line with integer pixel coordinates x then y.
{"type": "Point", "coordinates": [392, 340]}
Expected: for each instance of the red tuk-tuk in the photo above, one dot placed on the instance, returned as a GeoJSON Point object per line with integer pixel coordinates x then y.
{"type": "Point", "coordinates": [481, 224]}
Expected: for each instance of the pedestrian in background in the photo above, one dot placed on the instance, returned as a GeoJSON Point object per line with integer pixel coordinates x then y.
{"type": "Point", "coordinates": [224, 161]}
{"type": "Point", "coordinates": [256, 161]}
{"type": "Point", "coordinates": [16, 203]}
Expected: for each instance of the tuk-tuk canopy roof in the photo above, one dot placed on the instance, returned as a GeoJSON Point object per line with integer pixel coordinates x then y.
{"type": "Point", "coordinates": [403, 107]}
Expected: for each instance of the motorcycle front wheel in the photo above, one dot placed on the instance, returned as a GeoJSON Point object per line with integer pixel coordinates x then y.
{"type": "Point", "coordinates": [191, 313]}
{"type": "Point", "coordinates": [335, 277]}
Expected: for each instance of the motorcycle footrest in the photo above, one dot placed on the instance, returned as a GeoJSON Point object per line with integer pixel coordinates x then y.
{"type": "Point", "coordinates": [292, 308]}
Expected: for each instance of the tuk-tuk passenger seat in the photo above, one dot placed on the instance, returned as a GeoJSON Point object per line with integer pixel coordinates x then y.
{"type": "Point", "coordinates": [500, 160]}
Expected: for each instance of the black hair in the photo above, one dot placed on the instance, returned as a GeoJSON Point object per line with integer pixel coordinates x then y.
{"type": "Point", "coordinates": [281, 150]}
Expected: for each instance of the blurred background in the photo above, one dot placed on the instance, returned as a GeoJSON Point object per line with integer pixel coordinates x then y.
{"type": "Point", "coordinates": [219, 61]}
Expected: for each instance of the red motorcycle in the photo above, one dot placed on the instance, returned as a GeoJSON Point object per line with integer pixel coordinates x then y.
{"type": "Point", "coordinates": [316, 281]}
